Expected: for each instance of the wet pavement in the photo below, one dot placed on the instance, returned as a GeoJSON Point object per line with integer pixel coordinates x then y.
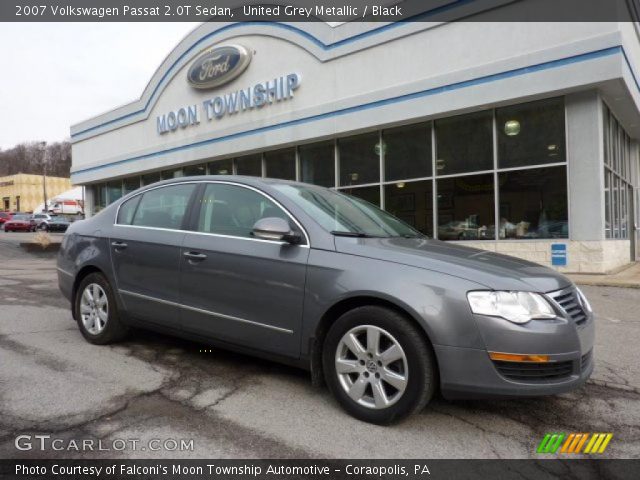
{"type": "Point", "coordinates": [229, 405]}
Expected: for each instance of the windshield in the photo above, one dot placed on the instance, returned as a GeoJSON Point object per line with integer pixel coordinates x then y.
{"type": "Point", "coordinates": [23, 218]}
{"type": "Point", "coordinates": [343, 214]}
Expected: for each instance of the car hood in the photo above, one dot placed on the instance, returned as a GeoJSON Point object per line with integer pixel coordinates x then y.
{"type": "Point", "coordinates": [492, 270]}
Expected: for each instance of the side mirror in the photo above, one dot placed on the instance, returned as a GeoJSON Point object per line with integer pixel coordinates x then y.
{"type": "Point", "coordinates": [275, 228]}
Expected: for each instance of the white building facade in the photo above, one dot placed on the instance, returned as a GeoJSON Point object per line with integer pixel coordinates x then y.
{"type": "Point", "coordinates": [519, 138]}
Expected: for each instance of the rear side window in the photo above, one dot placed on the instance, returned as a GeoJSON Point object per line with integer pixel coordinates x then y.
{"type": "Point", "coordinates": [163, 207]}
{"type": "Point", "coordinates": [127, 209]}
{"type": "Point", "coordinates": [233, 210]}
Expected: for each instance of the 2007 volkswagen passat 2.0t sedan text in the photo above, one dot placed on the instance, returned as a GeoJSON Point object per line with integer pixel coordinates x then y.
{"type": "Point", "coordinates": [308, 276]}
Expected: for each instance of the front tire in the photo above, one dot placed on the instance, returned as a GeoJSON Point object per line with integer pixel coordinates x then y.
{"type": "Point", "coordinates": [378, 365]}
{"type": "Point", "coordinates": [96, 311]}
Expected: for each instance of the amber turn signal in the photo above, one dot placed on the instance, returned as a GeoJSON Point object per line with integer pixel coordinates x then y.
{"type": "Point", "coordinates": [515, 357]}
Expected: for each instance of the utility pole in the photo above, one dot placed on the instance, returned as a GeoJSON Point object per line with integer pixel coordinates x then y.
{"type": "Point", "coordinates": [43, 146]}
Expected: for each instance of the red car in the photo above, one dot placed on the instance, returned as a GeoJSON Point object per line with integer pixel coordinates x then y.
{"type": "Point", "coordinates": [20, 223]}
{"type": "Point", "coordinates": [5, 217]}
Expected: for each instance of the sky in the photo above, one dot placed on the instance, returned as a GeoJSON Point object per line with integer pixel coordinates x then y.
{"type": "Point", "coordinates": [53, 75]}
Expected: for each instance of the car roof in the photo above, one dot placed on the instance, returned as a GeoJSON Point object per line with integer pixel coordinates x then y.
{"type": "Point", "coordinates": [243, 179]}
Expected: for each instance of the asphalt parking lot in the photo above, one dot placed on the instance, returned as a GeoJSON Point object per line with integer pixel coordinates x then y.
{"type": "Point", "coordinates": [233, 406]}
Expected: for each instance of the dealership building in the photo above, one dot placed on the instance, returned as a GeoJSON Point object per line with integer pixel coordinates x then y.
{"type": "Point", "coordinates": [519, 138]}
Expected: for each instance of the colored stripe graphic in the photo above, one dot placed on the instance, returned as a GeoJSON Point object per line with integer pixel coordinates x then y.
{"type": "Point", "coordinates": [550, 442]}
{"type": "Point", "coordinates": [574, 442]}
{"type": "Point", "coordinates": [598, 443]}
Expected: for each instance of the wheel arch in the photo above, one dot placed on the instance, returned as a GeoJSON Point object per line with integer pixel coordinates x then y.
{"type": "Point", "coordinates": [82, 273]}
{"type": "Point", "coordinates": [343, 306]}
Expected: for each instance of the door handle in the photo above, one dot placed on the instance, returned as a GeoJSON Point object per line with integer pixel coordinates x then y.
{"type": "Point", "coordinates": [195, 256]}
{"type": "Point", "coordinates": [119, 245]}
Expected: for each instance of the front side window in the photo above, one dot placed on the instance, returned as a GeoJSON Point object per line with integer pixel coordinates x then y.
{"type": "Point", "coordinates": [344, 214]}
{"type": "Point", "coordinates": [163, 207]}
{"type": "Point", "coordinates": [233, 210]}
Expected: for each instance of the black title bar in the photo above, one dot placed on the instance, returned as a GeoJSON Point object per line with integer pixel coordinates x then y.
{"type": "Point", "coordinates": [324, 10]}
{"type": "Point", "coordinates": [543, 469]}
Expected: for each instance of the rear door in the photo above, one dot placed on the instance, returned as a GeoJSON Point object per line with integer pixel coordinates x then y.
{"type": "Point", "coordinates": [145, 251]}
{"type": "Point", "coordinates": [238, 288]}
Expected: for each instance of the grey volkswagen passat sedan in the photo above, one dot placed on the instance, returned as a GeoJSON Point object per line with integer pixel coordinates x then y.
{"type": "Point", "coordinates": [308, 276]}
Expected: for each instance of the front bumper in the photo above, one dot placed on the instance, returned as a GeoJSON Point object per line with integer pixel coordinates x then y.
{"type": "Point", "coordinates": [470, 373]}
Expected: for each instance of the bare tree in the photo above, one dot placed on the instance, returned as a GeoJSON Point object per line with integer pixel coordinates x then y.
{"type": "Point", "coordinates": [27, 158]}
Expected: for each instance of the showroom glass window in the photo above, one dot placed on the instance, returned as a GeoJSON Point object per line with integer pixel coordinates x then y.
{"type": "Point", "coordinates": [281, 164]}
{"type": "Point", "coordinates": [99, 191]}
{"type": "Point", "coordinates": [466, 208]}
{"type": "Point", "coordinates": [464, 143]}
{"type": "Point", "coordinates": [317, 163]}
{"type": "Point", "coordinates": [163, 207]}
{"type": "Point", "coordinates": [531, 133]}
{"type": "Point", "coordinates": [618, 185]}
{"type": "Point", "coordinates": [130, 184]}
{"type": "Point", "coordinates": [194, 170]}
{"type": "Point", "coordinates": [150, 178]}
{"type": "Point", "coordinates": [250, 165]}
{"type": "Point", "coordinates": [221, 167]}
{"type": "Point", "coordinates": [407, 152]}
{"type": "Point", "coordinates": [533, 203]}
{"type": "Point", "coordinates": [114, 190]}
{"type": "Point", "coordinates": [411, 202]}
{"type": "Point", "coordinates": [532, 197]}
{"type": "Point", "coordinates": [359, 159]}
{"type": "Point", "coordinates": [169, 174]}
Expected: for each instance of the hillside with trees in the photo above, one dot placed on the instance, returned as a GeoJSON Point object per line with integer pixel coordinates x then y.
{"type": "Point", "coordinates": [32, 157]}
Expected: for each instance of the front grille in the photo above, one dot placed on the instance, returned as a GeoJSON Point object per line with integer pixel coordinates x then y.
{"type": "Point", "coordinates": [570, 303]}
{"type": "Point", "coordinates": [534, 372]}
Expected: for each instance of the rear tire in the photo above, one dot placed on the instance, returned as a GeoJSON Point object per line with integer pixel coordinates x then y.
{"type": "Point", "coordinates": [378, 365]}
{"type": "Point", "coordinates": [96, 311]}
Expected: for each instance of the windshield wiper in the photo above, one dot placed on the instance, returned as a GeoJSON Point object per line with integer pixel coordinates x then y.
{"type": "Point", "coordinates": [342, 233]}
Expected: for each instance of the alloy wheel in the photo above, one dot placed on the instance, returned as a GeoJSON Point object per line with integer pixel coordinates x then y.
{"type": "Point", "coordinates": [94, 308]}
{"type": "Point", "coordinates": [371, 366]}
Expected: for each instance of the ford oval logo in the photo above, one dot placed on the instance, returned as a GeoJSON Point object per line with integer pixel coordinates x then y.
{"type": "Point", "coordinates": [218, 65]}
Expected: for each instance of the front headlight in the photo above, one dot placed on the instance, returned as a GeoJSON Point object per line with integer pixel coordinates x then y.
{"type": "Point", "coordinates": [517, 307]}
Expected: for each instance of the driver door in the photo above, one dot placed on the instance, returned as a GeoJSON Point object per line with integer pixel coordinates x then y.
{"type": "Point", "coordinates": [235, 287]}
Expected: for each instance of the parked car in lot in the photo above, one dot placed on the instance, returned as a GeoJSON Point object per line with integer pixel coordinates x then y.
{"type": "Point", "coordinates": [57, 224]}
{"type": "Point", "coordinates": [324, 281]}
{"type": "Point", "coordinates": [20, 223]}
{"type": "Point", "coordinates": [5, 217]}
{"type": "Point", "coordinates": [41, 220]}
